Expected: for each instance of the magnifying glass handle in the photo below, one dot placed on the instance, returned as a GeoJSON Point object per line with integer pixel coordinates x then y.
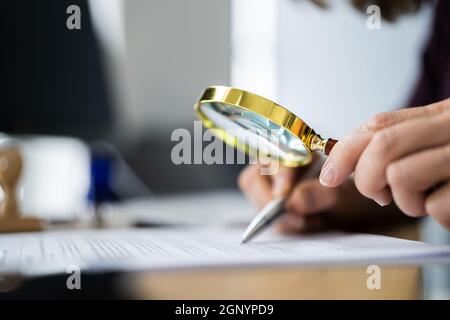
{"type": "Point", "coordinates": [329, 146]}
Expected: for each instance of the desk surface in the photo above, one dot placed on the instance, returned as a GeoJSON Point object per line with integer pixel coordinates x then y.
{"type": "Point", "coordinates": [397, 282]}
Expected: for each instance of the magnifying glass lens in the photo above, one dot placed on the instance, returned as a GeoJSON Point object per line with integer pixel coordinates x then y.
{"type": "Point", "coordinates": [257, 132]}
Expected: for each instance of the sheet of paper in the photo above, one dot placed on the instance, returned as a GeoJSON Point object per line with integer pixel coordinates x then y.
{"type": "Point", "coordinates": [174, 248]}
{"type": "Point", "coordinates": [229, 207]}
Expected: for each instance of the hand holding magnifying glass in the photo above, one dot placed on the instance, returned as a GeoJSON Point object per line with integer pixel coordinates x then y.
{"type": "Point", "coordinates": [259, 126]}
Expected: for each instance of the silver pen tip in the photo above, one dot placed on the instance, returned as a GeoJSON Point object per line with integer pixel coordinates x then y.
{"type": "Point", "coordinates": [244, 240]}
{"type": "Point", "coordinates": [263, 218]}
{"type": "Point", "coordinates": [248, 234]}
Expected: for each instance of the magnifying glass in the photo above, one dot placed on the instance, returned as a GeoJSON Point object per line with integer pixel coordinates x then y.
{"type": "Point", "coordinates": [259, 126]}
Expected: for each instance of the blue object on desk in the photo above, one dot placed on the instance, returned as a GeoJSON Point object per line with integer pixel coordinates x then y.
{"type": "Point", "coordinates": [101, 176]}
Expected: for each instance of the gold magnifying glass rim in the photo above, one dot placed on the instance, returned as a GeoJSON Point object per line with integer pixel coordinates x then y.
{"type": "Point", "coordinates": [262, 107]}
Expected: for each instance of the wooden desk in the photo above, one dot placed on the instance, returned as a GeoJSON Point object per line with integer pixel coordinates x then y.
{"type": "Point", "coordinates": [292, 283]}
{"type": "Point", "coordinates": [397, 282]}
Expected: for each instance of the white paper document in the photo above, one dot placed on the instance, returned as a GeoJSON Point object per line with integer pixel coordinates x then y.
{"type": "Point", "coordinates": [175, 248]}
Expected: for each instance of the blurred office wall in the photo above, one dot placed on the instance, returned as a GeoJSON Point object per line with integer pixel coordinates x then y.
{"type": "Point", "coordinates": [326, 65]}
{"type": "Point", "coordinates": [335, 72]}
{"type": "Point", "coordinates": [255, 33]}
{"type": "Point", "coordinates": [161, 54]}
{"type": "Point", "coordinates": [173, 50]}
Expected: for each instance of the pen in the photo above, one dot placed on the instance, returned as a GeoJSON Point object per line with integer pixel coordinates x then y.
{"type": "Point", "coordinates": [264, 218]}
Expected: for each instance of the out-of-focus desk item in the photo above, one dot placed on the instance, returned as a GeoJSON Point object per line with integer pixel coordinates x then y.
{"type": "Point", "coordinates": [11, 219]}
{"type": "Point", "coordinates": [55, 178]}
{"type": "Point", "coordinates": [225, 207]}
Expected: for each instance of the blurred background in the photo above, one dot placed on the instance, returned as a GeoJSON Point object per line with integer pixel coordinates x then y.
{"type": "Point", "coordinates": [93, 109]}
{"type": "Point", "coordinates": [120, 85]}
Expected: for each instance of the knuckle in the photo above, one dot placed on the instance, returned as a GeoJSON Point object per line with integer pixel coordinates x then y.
{"type": "Point", "coordinates": [441, 161]}
{"type": "Point", "coordinates": [395, 174]}
{"type": "Point", "coordinates": [445, 118]}
{"type": "Point", "coordinates": [447, 155]}
{"type": "Point", "coordinates": [443, 158]}
{"type": "Point", "coordinates": [356, 131]}
{"type": "Point", "coordinates": [384, 139]}
{"type": "Point", "coordinates": [380, 121]}
{"type": "Point", "coordinates": [440, 107]}
{"type": "Point", "coordinates": [446, 104]}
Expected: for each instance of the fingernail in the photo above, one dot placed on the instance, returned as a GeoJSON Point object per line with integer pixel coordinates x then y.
{"type": "Point", "coordinates": [381, 203]}
{"type": "Point", "coordinates": [327, 175]}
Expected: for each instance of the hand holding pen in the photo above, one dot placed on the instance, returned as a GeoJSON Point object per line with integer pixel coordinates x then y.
{"type": "Point", "coordinates": [282, 193]}
{"type": "Point", "coordinates": [308, 205]}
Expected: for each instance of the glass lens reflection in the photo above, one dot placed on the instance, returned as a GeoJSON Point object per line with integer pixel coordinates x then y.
{"type": "Point", "coordinates": [256, 131]}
